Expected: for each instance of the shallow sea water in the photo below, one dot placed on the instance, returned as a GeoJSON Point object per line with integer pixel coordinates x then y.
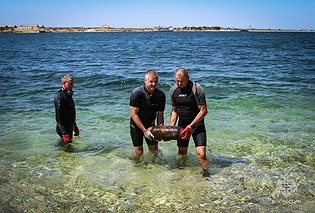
{"type": "Point", "coordinates": [260, 123]}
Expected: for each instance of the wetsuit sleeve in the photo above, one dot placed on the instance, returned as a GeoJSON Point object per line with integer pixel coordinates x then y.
{"type": "Point", "coordinates": [135, 99]}
{"type": "Point", "coordinates": [57, 102]}
{"type": "Point", "coordinates": [172, 90]}
{"type": "Point", "coordinates": [200, 95]}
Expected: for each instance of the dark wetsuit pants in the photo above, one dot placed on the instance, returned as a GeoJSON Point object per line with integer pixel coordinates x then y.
{"type": "Point", "coordinates": [199, 135]}
{"type": "Point", "coordinates": [137, 137]}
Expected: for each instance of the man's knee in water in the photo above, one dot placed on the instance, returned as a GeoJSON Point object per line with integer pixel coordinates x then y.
{"type": "Point", "coordinates": [201, 152]}
{"type": "Point", "coordinates": [138, 151]}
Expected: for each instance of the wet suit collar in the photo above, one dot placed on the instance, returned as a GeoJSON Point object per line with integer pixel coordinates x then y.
{"type": "Point", "coordinates": [147, 92]}
{"type": "Point", "coordinates": [66, 92]}
{"type": "Point", "coordinates": [189, 84]}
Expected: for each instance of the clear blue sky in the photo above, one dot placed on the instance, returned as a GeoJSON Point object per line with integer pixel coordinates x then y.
{"type": "Point", "coordinates": [275, 14]}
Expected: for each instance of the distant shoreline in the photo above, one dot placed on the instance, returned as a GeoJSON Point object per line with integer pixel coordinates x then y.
{"type": "Point", "coordinates": [42, 29]}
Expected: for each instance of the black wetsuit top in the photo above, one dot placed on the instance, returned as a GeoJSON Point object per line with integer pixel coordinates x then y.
{"type": "Point", "coordinates": [186, 102]}
{"type": "Point", "coordinates": [65, 112]}
{"type": "Point", "coordinates": [148, 105]}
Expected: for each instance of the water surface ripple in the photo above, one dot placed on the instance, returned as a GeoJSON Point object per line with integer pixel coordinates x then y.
{"type": "Point", "coordinates": [260, 123]}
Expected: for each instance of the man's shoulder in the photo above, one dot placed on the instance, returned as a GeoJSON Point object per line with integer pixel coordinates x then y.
{"type": "Point", "coordinates": [58, 98]}
{"type": "Point", "coordinates": [198, 88]}
{"type": "Point", "coordinates": [138, 89]}
{"type": "Point", "coordinates": [197, 84]}
{"type": "Point", "coordinates": [58, 95]}
{"type": "Point", "coordinates": [173, 88]}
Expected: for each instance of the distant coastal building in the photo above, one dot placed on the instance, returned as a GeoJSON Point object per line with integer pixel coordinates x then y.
{"type": "Point", "coordinates": [35, 28]}
{"type": "Point", "coordinates": [7, 28]}
{"type": "Point", "coordinates": [106, 26]}
{"type": "Point", "coordinates": [163, 29]}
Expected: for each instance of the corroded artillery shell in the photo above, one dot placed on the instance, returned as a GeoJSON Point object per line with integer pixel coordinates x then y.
{"type": "Point", "coordinates": [166, 133]}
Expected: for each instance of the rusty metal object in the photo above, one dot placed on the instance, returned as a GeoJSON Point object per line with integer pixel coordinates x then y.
{"type": "Point", "coordinates": [166, 133]}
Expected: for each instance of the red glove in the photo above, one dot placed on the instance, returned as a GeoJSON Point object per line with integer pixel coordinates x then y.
{"type": "Point", "coordinates": [66, 138]}
{"type": "Point", "coordinates": [76, 131]}
{"type": "Point", "coordinates": [185, 133]}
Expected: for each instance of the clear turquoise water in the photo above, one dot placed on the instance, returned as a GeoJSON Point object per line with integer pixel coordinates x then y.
{"type": "Point", "coordinates": [261, 123]}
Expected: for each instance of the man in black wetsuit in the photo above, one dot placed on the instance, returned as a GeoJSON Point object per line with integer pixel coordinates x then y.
{"type": "Point", "coordinates": [65, 110]}
{"type": "Point", "coordinates": [147, 103]}
{"type": "Point", "coordinates": [189, 105]}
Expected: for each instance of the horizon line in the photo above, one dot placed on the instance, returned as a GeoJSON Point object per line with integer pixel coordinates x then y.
{"type": "Point", "coordinates": [159, 26]}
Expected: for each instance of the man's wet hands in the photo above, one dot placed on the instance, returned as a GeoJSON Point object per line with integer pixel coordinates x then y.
{"type": "Point", "coordinates": [185, 133]}
{"type": "Point", "coordinates": [148, 135]}
{"type": "Point", "coordinates": [66, 138]}
{"type": "Point", "coordinates": [76, 131]}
